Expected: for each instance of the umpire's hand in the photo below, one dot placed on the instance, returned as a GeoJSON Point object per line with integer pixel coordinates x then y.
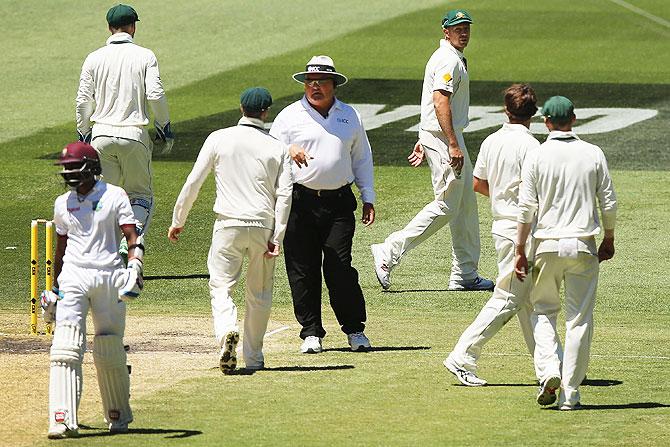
{"type": "Point", "coordinates": [368, 214]}
{"type": "Point", "coordinates": [299, 155]}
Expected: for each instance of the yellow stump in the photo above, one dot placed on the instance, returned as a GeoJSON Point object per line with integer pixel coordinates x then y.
{"type": "Point", "coordinates": [33, 276]}
{"type": "Point", "coordinates": [49, 260]}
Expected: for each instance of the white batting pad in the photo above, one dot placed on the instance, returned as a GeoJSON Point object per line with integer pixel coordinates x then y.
{"type": "Point", "coordinates": [113, 378]}
{"type": "Point", "coordinates": [65, 378]}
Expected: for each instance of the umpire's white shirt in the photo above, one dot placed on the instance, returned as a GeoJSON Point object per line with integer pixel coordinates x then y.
{"type": "Point", "coordinates": [446, 70]}
{"type": "Point", "coordinates": [252, 174]}
{"type": "Point", "coordinates": [92, 225]}
{"type": "Point", "coordinates": [499, 162]}
{"type": "Point", "coordinates": [561, 181]}
{"type": "Point", "coordinates": [338, 144]}
{"type": "Point", "coordinates": [117, 81]}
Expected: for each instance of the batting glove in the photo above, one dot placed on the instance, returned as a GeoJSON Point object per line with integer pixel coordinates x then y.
{"type": "Point", "coordinates": [165, 136]}
{"type": "Point", "coordinates": [131, 285]}
{"type": "Point", "coordinates": [86, 138]}
{"type": "Point", "coordinates": [137, 265]}
{"type": "Point", "coordinates": [48, 301]}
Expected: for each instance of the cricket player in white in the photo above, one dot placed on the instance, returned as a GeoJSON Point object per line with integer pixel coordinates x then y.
{"type": "Point", "coordinates": [90, 220]}
{"type": "Point", "coordinates": [117, 85]}
{"type": "Point", "coordinates": [445, 101]}
{"type": "Point", "coordinates": [497, 174]}
{"type": "Point", "coordinates": [253, 200]}
{"type": "Point", "coordinates": [564, 182]}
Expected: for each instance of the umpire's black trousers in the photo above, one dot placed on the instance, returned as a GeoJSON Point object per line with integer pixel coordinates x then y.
{"type": "Point", "coordinates": [321, 227]}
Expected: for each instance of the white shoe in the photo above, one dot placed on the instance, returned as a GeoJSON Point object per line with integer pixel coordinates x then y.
{"type": "Point", "coordinates": [359, 342]}
{"type": "Point", "coordinates": [566, 406]}
{"type": "Point", "coordinates": [546, 395]}
{"type": "Point", "coordinates": [116, 428]}
{"type": "Point", "coordinates": [256, 367]}
{"type": "Point", "coordinates": [62, 431]}
{"type": "Point", "coordinates": [311, 345]}
{"type": "Point", "coordinates": [476, 284]}
{"type": "Point", "coordinates": [382, 268]}
{"type": "Point", "coordinates": [228, 357]}
{"type": "Point", "coordinates": [467, 378]}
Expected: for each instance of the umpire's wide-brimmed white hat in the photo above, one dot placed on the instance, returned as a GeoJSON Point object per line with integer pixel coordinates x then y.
{"type": "Point", "coordinates": [321, 64]}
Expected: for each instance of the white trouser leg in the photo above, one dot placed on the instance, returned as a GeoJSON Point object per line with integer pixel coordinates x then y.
{"type": "Point", "coordinates": [127, 163]}
{"type": "Point", "coordinates": [465, 226]}
{"type": "Point", "coordinates": [548, 275]}
{"type": "Point", "coordinates": [65, 376]}
{"type": "Point", "coordinates": [448, 189]}
{"type": "Point", "coordinates": [581, 282]}
{"type": "Point", "coordinates": [229, 246]}
{"type": "Point", "coordinates": [509, 297]}
{"type": "Point", "coordinates": [260, 275]}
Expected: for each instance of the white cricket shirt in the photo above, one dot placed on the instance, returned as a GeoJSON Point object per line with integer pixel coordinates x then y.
{"type": "Point", "coordinates": [565, 181]}
{"type": "Point", "coordinates": [92, 225]}
{"type": "Point", "coordinates": [446, 70]}
{"type": "Point", "coordinates": [253, 178]}
{"type": "Point", "coordinates": [338, 144]}
{"type": "Point", "coordinates": [117, 81]}
{"type": "Point", "coordinates": [499, 162]}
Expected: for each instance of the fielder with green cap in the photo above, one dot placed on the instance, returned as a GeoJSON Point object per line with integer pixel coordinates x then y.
{"type": "Point", "coordinates": [564, 182]}
{"type": "Point", "coordinates": [117, 83]}
{"type": "Point", "coordinates": [445, 101]}
{"type": "Point", "coordinates": [253, 200]}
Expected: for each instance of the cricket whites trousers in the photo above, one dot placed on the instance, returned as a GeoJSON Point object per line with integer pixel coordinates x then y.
{"type": "Point", "coordinates": [454, 203]}
{"type": "Point", "coordinates": [580, 277]}
{"type": "Point", "coordinates": [229, 247]}
{"type": "Point", "coordinates": [510, 297]}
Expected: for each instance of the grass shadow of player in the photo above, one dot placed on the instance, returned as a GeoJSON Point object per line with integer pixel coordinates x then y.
{"type": "Point", "coordinates": [191, 276]}
{"type": "Point", "coordinates": [601, 382]}
{"type": "Point", "coordinates": [416, 290]}
{"type": "Point", "coordinates": [174, 433]}
{"type": "Point", "coordinates": [307, 368]}
{"type": "Point", "coordinates": [628, 406]}
{"type": "Point", "coordinates": [381, 349]}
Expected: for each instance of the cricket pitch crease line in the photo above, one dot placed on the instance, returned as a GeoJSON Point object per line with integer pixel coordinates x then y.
{"type": "Point", "coordinates": [602, 356]}
{"type": "Point", "coordinates": [642, 12]}
{"type": "Point", "coordinates": [268, 334]}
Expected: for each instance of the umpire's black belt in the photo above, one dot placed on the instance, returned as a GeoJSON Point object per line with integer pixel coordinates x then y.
{"type": "Point", "coordinates": [323, 193]}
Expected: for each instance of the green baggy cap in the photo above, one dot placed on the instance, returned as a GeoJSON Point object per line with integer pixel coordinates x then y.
{"type": "Point", "coordinates": [121, 15]}
{"type": "Point", "coordinates": [255, 99]}
{"type": "Point", "coordinates": [558, 108]}
{"type": "Point", "coordinates": [456, 16]}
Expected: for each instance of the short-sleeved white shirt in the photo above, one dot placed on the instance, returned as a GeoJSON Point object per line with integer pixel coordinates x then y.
{"type": "Point", "coordinates": [338, 144]}
{"type": "Point", "coordinates": [446, 70]}
{"type": "Point", "coordinates": [499, 162]}
{"type": "Point", "coordinates": [92, 225]}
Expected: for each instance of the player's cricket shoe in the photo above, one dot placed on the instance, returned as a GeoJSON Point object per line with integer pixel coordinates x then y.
{"type": "Point", "coordinates": [62, 431]}
{"type": "Point", "coordinates": [382, 267]}
{"type": "Point", "coordinates": [566, 406]}
{"type": "Point", "coordinates": [311, 345]}
{"type": "Point", "coordinates": [547, 392]}
{"type": "Point", "coordinates": [228, 358]}
{"type": "Point", "coordinates": [359, 342]}
{"type": "Point", "coordinates": [467, 378]}
{"type": "Point", "coordinates": [118, 428]}
{"type": "Point", "coordinates": [477, 284]}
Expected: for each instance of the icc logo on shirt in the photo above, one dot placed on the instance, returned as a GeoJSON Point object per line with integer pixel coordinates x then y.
{"type": "Point", "coordinates": [343, 120]}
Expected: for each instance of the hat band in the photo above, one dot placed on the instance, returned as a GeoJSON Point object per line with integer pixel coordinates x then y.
{"type": "Point", "coordinates": [318, 68]}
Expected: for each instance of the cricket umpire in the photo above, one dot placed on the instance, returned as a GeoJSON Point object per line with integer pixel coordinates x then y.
{"type": "Point", "coordinates": [445, 101]}
{"type": "Point", "coordinates": [330, 151]}
{"type": "Point", "coordinates": [253, 198]}
{"type": "Point", "coordinates": [564, 182]}
{"type": "Point", "coordinates": [117, 83]}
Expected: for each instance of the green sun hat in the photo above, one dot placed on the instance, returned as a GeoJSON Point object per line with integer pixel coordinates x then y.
{"type": "Point", "coordinates": [456, 16]}
{"type": "Point", "coordinates": [255, 99]}
{"type": "Point", "coordinates": [558, 108]}
{"type": "Point", "coordinates": [121, 15]}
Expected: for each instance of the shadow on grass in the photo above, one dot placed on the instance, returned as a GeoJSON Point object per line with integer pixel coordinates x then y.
{"type": "Point", "coordinates": [192, 276]}
{"type": "Point", "coordinates": [173, 433]}
{"type": "Point", "coordinates": [601, 382]}
{"type": "Point", "coordinates": [308, 368]}
{"type": "Point", "coordinates": [629, 406]}
{"type": "Point", "coordinates": [381, 349]}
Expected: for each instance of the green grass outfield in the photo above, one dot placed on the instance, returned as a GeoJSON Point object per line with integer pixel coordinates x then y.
{"type": "Point", "coordinates": [598, 52]}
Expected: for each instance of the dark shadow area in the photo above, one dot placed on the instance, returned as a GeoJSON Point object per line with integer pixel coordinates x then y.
{"type": "Point", "coordinates": [601, 382]}
{"type": "Point", "coordinates": [380, 349]}
{"type": "Point", "coordinates": [630, 406]}
{"type": "Point", "coordinates": [429, 290]}
{"type": "Point", "coordinates": [533, 384]}
{"type": "Point", "coordinates": [308, 368]}
{"type": "Point", "coordinates": [192, 276]}
{"type": "Point", "coordinates": [174, 433]}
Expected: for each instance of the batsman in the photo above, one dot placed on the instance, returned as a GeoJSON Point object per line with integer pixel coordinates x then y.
{"type": "Point", "coordinates": [90, 220]}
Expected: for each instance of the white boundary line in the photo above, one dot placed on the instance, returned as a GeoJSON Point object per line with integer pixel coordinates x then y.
{"type": "Point", "coordinates": [642, 12]}
{"type": "Point", "coordinates": [603, 356]}
{"type": "Point", "coordinates": [268, 334]}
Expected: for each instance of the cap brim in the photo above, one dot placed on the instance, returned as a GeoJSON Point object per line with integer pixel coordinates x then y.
{"type": "Point", "coordinates": [458, 21]}
{"type": "Point", "coordinates": [340, 79]}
